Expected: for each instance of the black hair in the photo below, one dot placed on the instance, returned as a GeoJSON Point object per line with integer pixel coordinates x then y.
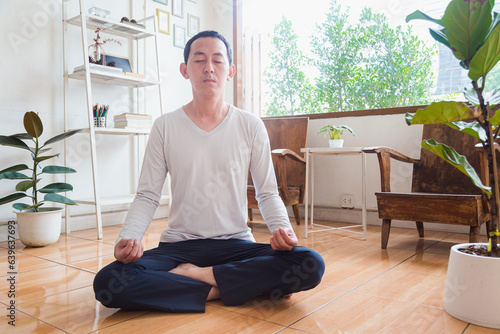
{"type": "Point", "coordinates": [208, 33]}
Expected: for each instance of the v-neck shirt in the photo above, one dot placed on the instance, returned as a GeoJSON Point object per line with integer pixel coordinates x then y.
{"type": "Point", "coordinates": [209, 174]}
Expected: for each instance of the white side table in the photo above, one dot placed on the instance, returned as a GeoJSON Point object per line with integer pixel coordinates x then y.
{"type": "Point", "coordinates": [309, 155]}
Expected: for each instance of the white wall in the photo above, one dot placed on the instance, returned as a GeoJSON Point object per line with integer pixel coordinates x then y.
{"type": "Point", "coordinates": [31, 78]}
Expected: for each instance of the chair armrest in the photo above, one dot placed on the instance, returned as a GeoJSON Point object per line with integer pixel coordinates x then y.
{"type": "Point", "coordinates": [392, 153]}
{"type": "Point", "coordinates": [384, 155]}
{"type": "Point", "coordinates": [287, 153]}
{"type": "Point", "coordinates": [281, 156]}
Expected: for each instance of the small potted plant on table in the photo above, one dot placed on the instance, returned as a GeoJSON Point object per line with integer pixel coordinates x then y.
{"type": "Point", "coordinates": [334, 132]}
{"type": "Point", "coordinates": [37, 225]}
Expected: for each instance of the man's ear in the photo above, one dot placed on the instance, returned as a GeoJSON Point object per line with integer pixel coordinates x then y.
{"type": "Point", "coordinates": [183, 69]}
{"type": "Point", "coordinates": [232, 72]}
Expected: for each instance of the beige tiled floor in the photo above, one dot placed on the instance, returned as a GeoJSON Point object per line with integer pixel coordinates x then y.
{"type": "Point", "coordinates": [365, 289]}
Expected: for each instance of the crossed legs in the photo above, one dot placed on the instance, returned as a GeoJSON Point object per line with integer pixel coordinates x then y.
{"type": "Point", "coordinates": [181, 277]}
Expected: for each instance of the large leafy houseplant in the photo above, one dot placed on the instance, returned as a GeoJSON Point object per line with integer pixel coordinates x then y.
{"type": "Point", "coordinates": [28, 185]}
{"type": "Point", "coordinates": [471, 30]}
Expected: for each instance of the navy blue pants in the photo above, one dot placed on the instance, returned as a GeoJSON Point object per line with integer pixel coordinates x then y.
{"type": "Point", "coordinates": [242, 270]}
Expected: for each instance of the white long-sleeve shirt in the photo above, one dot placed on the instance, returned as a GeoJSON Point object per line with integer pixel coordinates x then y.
{"type": "Point", "coordinates": [209, 172]}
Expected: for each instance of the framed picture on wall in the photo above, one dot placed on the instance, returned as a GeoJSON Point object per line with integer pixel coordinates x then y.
{"type": "Point", "coordinates": [163, 21]}
{"type": "Point", "coordinates": [165, 2]}
{"type": "Point", "coordinates": [178, 8]}
{"type": "Point", "coordinates": [179, 36]}
{"type": "Point", "coordinates": [193, 25]}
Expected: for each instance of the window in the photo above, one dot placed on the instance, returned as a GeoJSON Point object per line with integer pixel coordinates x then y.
{"type": "Point", "coordinates": [302, 57]}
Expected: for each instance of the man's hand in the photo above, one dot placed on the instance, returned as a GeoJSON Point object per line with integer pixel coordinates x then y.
{"type": "Point", "coordinates": [284, 239]}
{"type": "Point", "coordinates": [128, 250]}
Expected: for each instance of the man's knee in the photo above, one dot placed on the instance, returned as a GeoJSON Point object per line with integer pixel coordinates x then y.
{"type": "Point", "coordinates": [305, 273]}
{"type": "Point", "coordinates": [110, 284]}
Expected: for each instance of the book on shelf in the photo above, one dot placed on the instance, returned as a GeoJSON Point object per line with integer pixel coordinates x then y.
{"type": "Point", "coordinates": [139, 120]}
{"type": "Point", "coordinates": [133, 124]}
{"type": "Point", "coordinates": [133, 116]}
{"type": "Point", "coordinates": [101, 68]}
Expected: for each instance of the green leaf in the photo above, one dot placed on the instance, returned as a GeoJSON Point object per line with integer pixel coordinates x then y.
{"type": "Point", "coordinates": [22, 136]}
{"type": "Point", "coordinates": [418, 15]}
{"type": "Point", "coordinates": [14, 142]}
{"type": "Point", "coordinates": [13, 176]}
{"type": "Point", "coordinates": [493, 97]}
{"type": "Point", "coordinates": [24, 185]}
{"type": "Point", "coordinates": [473, 129]}
{"type": "Point", "coordinates": [12, 197]}
{"type": "Point", "coordinates": [57, 170]}
{"type": "Point", "coordinates": [34, 206]}
{"type": "Point", "coordinates": [486, 57]}
{"type": "Point", "coordinates": [471, 96]}
{"type": "Point", "coordinates": [58, 199]}
{"type": "Point", "coordinates": [467, 24]}
{"type": "Point", "coordinates": [56, 188]}
{"type": "Point", "coordinates": [46, 157]}
{"type": "Point", "coordinates": [62, 136]}
{"type": "Point", "coordinates": [441, 112]}
{"type": "Point", "coordinates": [15, 168]}
{"type": "Point", "coordinates": [33, 124]}
{"type": "Point", "coordinates": [440, 36]}
{"type": "Point", "coordinates": [457, 160]}
{"type": "Point", "coordinates": [495, 120]}
{"type": "Point", "coordinates": [20, 206]}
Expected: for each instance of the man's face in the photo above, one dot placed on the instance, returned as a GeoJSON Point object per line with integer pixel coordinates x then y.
{"type": "Point", "coordinates": [208, 67]}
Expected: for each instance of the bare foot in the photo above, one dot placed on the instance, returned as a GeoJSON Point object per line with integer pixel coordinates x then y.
{"type": "Point", "coordinates": [213, 294]}
{"type": "Point", "coordinates": [204, 274]}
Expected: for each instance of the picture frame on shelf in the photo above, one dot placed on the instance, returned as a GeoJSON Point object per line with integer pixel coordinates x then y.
{"type": "Point", "coordinates": [193, 25]}
{"type": "Point", "coordinates": [178, 8]}
{"type": "Point", "coordinates": [163, 21]}
{"type": "Point", "coordinates": [164, 2]}
{"type": "Point", "coordinates": [179, 36]}
{"type": "Point", "coordinates": [121, 62]}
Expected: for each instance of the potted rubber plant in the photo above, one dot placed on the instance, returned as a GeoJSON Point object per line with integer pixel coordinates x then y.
{"type": "Point", "coordinates": [334, 132]}
{"type": "Point", "coordinates": [38, 225]}
{"type": "Point", "coordinates": [471, 30]}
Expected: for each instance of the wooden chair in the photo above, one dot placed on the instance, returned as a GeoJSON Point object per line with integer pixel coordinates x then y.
{"type": "Point", "coordinates": [287, 136]}
{"type": "Point", "coordinates": [440, 193]}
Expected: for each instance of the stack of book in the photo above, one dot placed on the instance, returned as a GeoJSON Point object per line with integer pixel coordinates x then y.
{"type": "Point", "coordinates": [96, 68]}
{"type": "Point", "coordinates": [133, 121]}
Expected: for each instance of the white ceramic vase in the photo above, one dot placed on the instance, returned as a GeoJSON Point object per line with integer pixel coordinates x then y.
{"type": "Point", "coordinates": [472, 292]}
{"type": "Point", "coordinates": [336, 143]}
{"type": "Point", "coordinates": [37, 229]}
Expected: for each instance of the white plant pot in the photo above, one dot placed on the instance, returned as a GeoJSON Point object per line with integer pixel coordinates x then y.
{"type": "Point", "coordinates": [336, 143]}
{"type": "Point", "coordinates": [472, 293]}
{"type": "Point", "coordinates": [37, 229]}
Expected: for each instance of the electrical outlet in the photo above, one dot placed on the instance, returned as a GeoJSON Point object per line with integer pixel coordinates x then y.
{"type": "Point", "coordinates": [347, 201]}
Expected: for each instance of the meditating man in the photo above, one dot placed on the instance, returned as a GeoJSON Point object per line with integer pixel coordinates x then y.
{"type": "Point", "coordinates": [207, 251]}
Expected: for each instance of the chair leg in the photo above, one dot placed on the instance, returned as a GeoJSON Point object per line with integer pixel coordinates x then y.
{"type": "Point", "coordinates": [250, 214]}
{"type": "Point", "coordinates": [386, 230]}
{"type": "Point", "coordinates": [474, 233]}
{"type": "Point", "coordinates": [420, 229]}
{"type": "Point", "coordinates": [296, 213]}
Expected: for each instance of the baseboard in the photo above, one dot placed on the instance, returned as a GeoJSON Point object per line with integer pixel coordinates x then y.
{"type": "Point", "coordinates": [353, 216]}
{"type": "Point", "coordinates": [88, 221]}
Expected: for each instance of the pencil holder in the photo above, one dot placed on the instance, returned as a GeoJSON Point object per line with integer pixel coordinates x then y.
{"type": "Point", "coordinates": [100, 122]}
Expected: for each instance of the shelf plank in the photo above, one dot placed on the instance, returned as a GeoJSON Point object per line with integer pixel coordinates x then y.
{"type": "Point", "coordinates": [116, 200]}
{"type": "Point", "coordinates": [128, 30]}
{"type": "Point", "coordinates": [113, 79]}
{"type": "Point", "coordinates": [118, 131]}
